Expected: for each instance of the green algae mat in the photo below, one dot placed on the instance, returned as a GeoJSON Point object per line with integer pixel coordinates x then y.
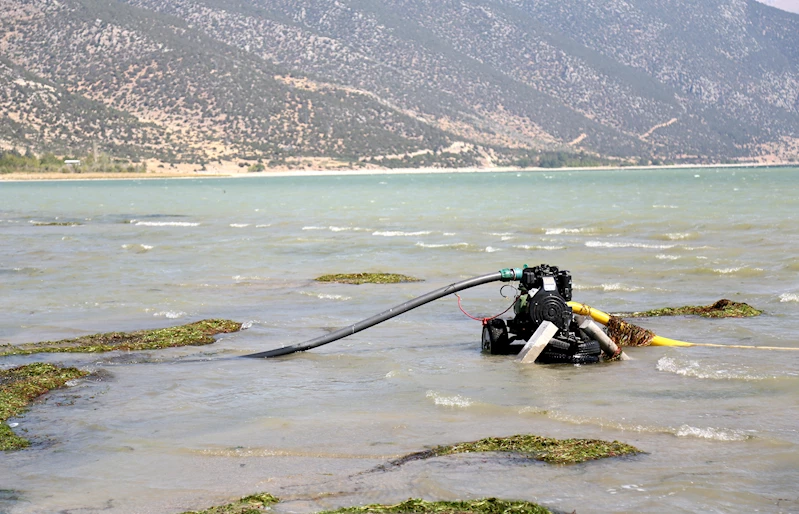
{"type": "Point", "coordinates": [259, 503]}
{"type": "Point", "coordinates": [545, 449]}
{"type": "Point", "coordinates": [367, 278]}
{"type": "Point", "coordinates": [416, 506]}
{"type": "Point", "coordinates": [721, 309]}
{"type": "Point", "coordinates": [253, 504]}
{"type": "Point", "coordinates": [194, 334]}
{"type": "Point", "coordinates": [21, 385]}
{"type": "Point", "coordinates": [552, 451]}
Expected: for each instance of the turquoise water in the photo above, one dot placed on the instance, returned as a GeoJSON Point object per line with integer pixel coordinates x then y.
{"type": "Point", "coordinates": [188, 428]}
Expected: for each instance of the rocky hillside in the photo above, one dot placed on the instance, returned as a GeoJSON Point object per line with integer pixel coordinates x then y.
{"type": "Point", "coordinates": [455, 82]}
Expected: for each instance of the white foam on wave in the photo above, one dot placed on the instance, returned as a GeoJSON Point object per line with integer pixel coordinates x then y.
{"type": "Point", "coordinates": [616, 286]}
{"type": "Point", "coordinates": [263, 225]}
{"type": "Point", "coordinates": [140, 248]}
{"type": "Point", "coordinates": [245, 278]}
{"type": "Point", "coordinates": [334, 228]}
{"type": "Point", "coordinates": [491, 249]}
{"type": "Point", "coordinates": [679, 236]}
{"type": "Point", "coordinates": [789, 297]}
{"type": "Point", "coordinates": [628, 487]}
{"type": "Point", "coordinates": [607, 244]}
{"type": "Point", "coordinates": [540, 247]}
{"type": "Point", "coordinates": [325, 296]}
{"type": "Point", "coordinates": [727, 271]}
{"type": "Point", "coordinates": [348, 229]}
{"type": "Point", "coordinates": [664, 257]}
{"type": "Point", "coordinates": [558, 231]}
{"type": "Point", "coordinates": [170, 314]}
{"type": "Point", "coordinates": [664, 206]}
{"type": "Point", "coordinates": [738, 269]}
{"type": "Point", "coordinates": [707, 370]}
{"type": "Point", "coordinates": [400, 233]}
{"type": "Point", "coordinates": [166, 224]}
{"type": "Point", "coordinates": [239, 225]}
{"type": "Point", "coordinates": [716, 434]}
{"type": "Point", "coordinates": [441, 245]}
{"type": "Point", "coordinates": [449, 401]}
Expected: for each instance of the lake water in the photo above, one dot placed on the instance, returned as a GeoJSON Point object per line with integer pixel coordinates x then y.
{"type": "Point", "coordinates": [171, 430]}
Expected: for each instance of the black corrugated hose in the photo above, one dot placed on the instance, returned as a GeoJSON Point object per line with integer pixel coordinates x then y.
{"type": "Point", "coordinates": [385, 315]}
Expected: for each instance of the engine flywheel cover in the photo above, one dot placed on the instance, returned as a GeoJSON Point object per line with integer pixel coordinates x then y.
{"type": "Point", "coordinates": [549, 306]}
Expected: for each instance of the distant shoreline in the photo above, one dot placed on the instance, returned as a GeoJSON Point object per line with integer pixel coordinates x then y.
{"type": "Point", "coordinates": [150, 175]}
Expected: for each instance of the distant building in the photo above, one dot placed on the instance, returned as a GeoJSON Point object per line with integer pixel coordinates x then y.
{"type": "Point", "coordinates": [72, 162]}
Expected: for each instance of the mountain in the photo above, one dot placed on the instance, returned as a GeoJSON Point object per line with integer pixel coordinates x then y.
{"type": "Point", "coordinates": [404, 81]}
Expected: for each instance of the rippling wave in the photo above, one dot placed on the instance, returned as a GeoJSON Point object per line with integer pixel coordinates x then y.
{"type": "Point", "coordinates": [540, 247]}
{"type": "Point", "coordinates": [325, 296]}
{"type": "Point", "coordinates": [717, 434]}
{"type": "Point", "coordinates": [170, 314]}
{"type": "Point", "coordinates": [138, 248]}
{"type": "Point", "coordinates": [400, 233]}
{"type": "Point", "coordinates": [608, 244]}
{"type": "Point", "coordinates": [442, 245]}
{"type": "Point", "coordinates": [164, 223]}
{"type": "Point", "coordinates": [742, 271]}
{"type": "Point", "coordinates": [449, 400]}
{"type": "Point", "coordinates": [708, 370]}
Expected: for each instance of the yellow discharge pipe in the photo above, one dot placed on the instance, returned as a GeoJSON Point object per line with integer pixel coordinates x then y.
{"type": "Point", "coordinates": [604, 318]}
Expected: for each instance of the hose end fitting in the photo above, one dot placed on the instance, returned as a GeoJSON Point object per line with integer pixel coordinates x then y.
{"type": "Point", "coordinates": [510, 274]}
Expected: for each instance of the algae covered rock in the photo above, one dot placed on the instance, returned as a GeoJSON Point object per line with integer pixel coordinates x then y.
{"type": "Point", "coordinates": [194, 334]}
{"type": "Point", "coordinates": [367, 278]}
{"type": "Point", "coordinates": [545, 449]}
{"type": "Point", "coordinates": [721, 309]}
{"type": "Point", "coordinates": [251, 504]}
{"type": "Point", "coordinates": [21, 385]}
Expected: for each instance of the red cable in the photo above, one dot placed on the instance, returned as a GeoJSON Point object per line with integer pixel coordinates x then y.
{"type": "Point", "coordinates": [484, 320]}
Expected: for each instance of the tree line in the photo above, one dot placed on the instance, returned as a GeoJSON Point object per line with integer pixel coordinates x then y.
{"type": "Point", "coordinates": [13, 161]}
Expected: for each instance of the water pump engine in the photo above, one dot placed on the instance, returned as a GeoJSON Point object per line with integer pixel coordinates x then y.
{"type": "Point", "coordinates": [543, 293]}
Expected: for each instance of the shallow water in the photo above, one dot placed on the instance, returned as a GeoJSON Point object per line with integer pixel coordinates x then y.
{"type": "Point", "coordinates": [188, 428]}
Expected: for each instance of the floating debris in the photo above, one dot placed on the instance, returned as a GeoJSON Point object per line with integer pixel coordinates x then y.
{"type": "Point", "coordinates": [248, 505]}
{"type": "Point", "coordinates": [627, 334]}
{"type": "Point", "coordinates": [721, 309]}
{"type": "Point", "coordinates": [546, 449]}
{"type": "Point", "coordinates": [194, 334]}
{"type": "Point", "coordinates": [367, 278]}
{"type": "Point", "coordinates": [21, 385]}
